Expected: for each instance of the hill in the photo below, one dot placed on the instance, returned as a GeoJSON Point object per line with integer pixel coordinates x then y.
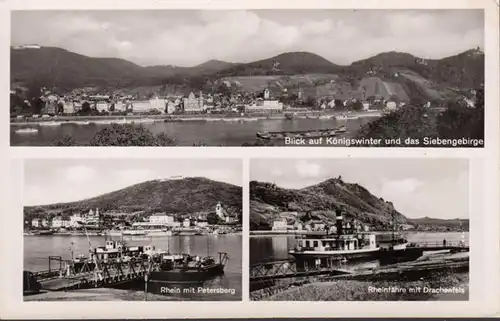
{"type": "Point", "coordinates": [454, 224]}
{"type": "Point", "coordinates": [291, 63]}
{"type": "Point", "coordinates": [269, 202]}
{"type": "Point", "coordinates": [390, 75]}
{"type": "Point", "coordinates": [182, 196]}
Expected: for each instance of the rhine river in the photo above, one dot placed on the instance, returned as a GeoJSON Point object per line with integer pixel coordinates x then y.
{"type": "Point", "coordinates": [187, 133]}
{"type": "Point", "coordinates": [37, 249]}
{"type": "Point", "coordinates": [276, 247]}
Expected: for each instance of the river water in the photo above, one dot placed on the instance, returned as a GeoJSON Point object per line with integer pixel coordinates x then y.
{"type": "Point", "coordinates": [37, 249]}
{"type": "Point", "coordinates": [276, 247]}
{"type": "Point", "coordinates": [210, 133]}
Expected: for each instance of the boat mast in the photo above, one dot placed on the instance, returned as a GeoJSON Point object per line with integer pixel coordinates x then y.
{"type": "Point", "coordinates": [208, 246]}
{"type": "Point", "coordinates": [393, 227]}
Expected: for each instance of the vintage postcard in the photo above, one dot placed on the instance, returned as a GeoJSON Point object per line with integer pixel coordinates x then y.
{"type": "Point", "coordinates": [171, 159]}
{"type": "Point", "coordinates": [104, 230]}
{"type": "Point", "coordinates": [276, 77]}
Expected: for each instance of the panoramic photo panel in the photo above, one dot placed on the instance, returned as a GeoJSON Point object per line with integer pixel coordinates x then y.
{"type": "Point", "coordinates": [409, 78]}
{"type": "Point", "coordinates": [359, 230]}
{"type": "Point", "coordinates": [109, 229]}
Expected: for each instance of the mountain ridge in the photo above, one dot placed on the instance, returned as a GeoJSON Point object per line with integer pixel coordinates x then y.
{"type": "Point", "coordinates": [56, 67]}
{"type": "Point", "coordinates": [185, 195]}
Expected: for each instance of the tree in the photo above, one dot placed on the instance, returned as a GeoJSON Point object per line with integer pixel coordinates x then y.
{"type": "Point", "coordinates": [60, 108]}
{"type": "Point", "coordinates": [339, 104]}
{"type": "Point", "coordinates": [414, 122]}
{"type": "Point", "coordinates": [38, 105]}
{"type": "Point", "coordinates": [357, 105]}
{"type": "Point", "coordinates": [129, 135]}
{"type": "Point", "coordinates": [85, 108]}
{"type": "Point", "coordinates": [65, 141]}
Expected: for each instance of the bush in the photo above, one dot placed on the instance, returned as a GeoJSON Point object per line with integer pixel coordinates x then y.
{"type": "Point", "coordinates": [129, 135]}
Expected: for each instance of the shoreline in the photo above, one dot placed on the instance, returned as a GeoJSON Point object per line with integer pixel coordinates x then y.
{"type": "Point", "coordinates": [141, 119]}
{"type": "Point", "coordinates": [301, 232]}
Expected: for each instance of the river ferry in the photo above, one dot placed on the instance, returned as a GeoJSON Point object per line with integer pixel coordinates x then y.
{"type": "Point", "coordinates": [315, 133]}
{"type": "Point", "coordinates": [346, 243]}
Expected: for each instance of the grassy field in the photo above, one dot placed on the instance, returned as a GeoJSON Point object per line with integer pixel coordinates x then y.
{"type": "Point", "coordinates": [366, 291]}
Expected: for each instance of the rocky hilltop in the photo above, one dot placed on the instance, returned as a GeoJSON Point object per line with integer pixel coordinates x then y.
{"type": "Point", "coordinates": [269, 202]}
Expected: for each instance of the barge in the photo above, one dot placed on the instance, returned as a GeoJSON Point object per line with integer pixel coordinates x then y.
{"type": "Point", "coordinates": [314, 133]}
{"type": "Point", "coordinates": [186, 268]}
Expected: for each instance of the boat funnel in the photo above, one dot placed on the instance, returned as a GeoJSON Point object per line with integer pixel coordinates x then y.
{"type": "Point", "coordinates": [339, 221]}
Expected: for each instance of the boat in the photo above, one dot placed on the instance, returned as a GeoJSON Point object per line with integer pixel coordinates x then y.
{"type": "Point", "coordinates": [133, 232]}
{"type": "Point", "coordinates": [159, 232]}
{"type": "Point", "coordinates": [186, 268]}
{"type": "Point", "coordinates": [314, 133]}
{"type": "Point", "coordinates": [346, 244]}
{"type": "Point", "coordinates": [44, 232]}
{"type": "Point", "coordinates": [26, 131]}
{"type": "Point", "coordinates": [49, 123]}
{"type": "Point", "coordinates": [397, 242]}
{"type": "Point", "coordinates": [114, 232]}
{"type": "Point", "coordinates": [290, 116]}
{"type": "Point", "coordinates": [345, 117]}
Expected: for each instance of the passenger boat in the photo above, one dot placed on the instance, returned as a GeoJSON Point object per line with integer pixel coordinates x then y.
{"type": "Point", "coordinates": [347, 243]}
{"type": "Point", "coordinates": [315, 133]}
{"type": "Point", "coordinates": [26, 131]}
{"type": "Point", "coordinates": [186, 268]}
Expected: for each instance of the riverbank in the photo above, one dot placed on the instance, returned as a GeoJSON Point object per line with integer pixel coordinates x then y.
{"type": "Point", "coordinates": [138, 119]}
{"type": "Point", "coordinates": [99, 294]}
{"type": "Point", "coordinates": [442, 287]}
{"type": "Point", "coordinates": [433, 276]}
{"type": "Point", "coordinates": [256, 233]}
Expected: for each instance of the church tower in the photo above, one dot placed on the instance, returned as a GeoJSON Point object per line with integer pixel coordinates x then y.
{"type": "Point", "coordinates": [219, 211]}
{"type": "Point", "coordinates": [266, 94]}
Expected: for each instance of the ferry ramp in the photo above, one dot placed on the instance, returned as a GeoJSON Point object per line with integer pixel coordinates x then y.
{"type": "Point", "coordinates": [93, 275]}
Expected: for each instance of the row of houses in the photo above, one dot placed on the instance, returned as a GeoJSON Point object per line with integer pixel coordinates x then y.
{"type": "Point", "coordinates": [90, 219]}
{"type": "Point", "coordinates": [315, 225]}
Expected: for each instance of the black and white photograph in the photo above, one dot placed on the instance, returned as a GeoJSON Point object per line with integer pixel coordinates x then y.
{"type": "Point", "coordinates": [129, 229]}
{"type": "Point", "coordinates": [359, 229]}
{"type": "Point", "coordinates": [274, 77]}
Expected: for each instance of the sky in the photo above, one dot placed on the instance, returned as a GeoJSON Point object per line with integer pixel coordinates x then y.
{"type": "Point", "coordinates": [48, 181]}
{"type": "Point", "coordinates": [437, 188]}
{"type": "Point", "coordinates": [191, 37]}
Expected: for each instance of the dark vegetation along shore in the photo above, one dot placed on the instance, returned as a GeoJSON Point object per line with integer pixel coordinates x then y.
{"type": "Point", "coordinates": [182, 196]}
